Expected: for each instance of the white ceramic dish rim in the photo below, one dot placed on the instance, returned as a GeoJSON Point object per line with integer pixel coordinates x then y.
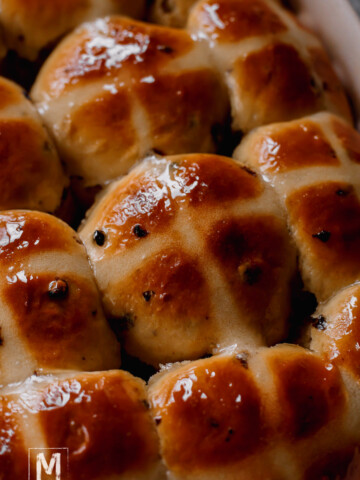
{"type": "Point", "coordinates": [338, 26]}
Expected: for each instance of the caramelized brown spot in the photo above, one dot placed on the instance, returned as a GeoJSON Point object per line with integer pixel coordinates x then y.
{"type": "Point", "coordinates": [52, 324]}
{"type": "Point", "coordinates": [105, 122]}
{"type": "Point", "coordinates": [211, 415]}
{"type": "Point", "coordinates": [349, 138]}
{"type": "Point", "coordinates": [297, 146]}
{"type": "Point", "coordinates": [311, 393]}
{"type": "Point", "coordinates": [25, 164]}
{"type": "Point", "coordinates": [251, 252]}
{"type": "Point", "coordinates": [103, 421]}
{"type": "Point", "coordinates": [173, 287]}
{"type": "Point", "coordinates": [24, 233]}
{"type": "Point", "coordinates": [138, 200]}
{"type": "Point", "coordinates": [211, 179]}
{"type": "Point", "coordinates": [167, 296]}
{"type": "Point", "coordinates": [235, 20]}
{"type": "Point", "coordinates": [148, 203]}
{"type": "Point", "coordinates": [316, 209]}
{"type": "Point", "coordinates": [186, 126]}
{"type": "Point", "coordinates": [277, 82]}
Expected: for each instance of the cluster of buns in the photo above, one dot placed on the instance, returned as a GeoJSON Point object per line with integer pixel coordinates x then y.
{"type": "Point", "coordinates": [194, 263]}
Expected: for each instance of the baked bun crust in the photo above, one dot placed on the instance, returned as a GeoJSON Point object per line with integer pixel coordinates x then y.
{"type": "Point", "coordinates": [275, 70]}
{"type": "Point", "coordinates": [313, 163]}
{"type": "Point", "coordinates": [184, 256]}
{"type": "Point", "coordinates": [51, 312]}
{"type": "Point", "coordinates": [31, 173]}
{"type": "Point", "coordinates": [193, 248]}
{"type": "Point", "coordinates": [102, 418]}
{"type": "Point", "coordinates": [105, 94]}
{"type": "Point", "coordinates": [335, 331]}
{"type": "Point", "coordinates": [32, 25]}
{"type": "Point", "coordinates": [277, 414]}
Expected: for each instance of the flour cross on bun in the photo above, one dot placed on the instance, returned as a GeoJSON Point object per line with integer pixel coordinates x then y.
{"type": "Point", "coordinates": [275, 69]}
{"type": "Point", "coordinates": [195, 247]}
{"type": "Point", "coordinates": [101, 417]}
{"type": "Point", "coordinates": [116, 89]}
{"type": "Point", "coordinates": [204, 322]}
{"type": "Point", "coordinates": [51, 315]}
{"type": "Point", "coordinates": [313, 164]}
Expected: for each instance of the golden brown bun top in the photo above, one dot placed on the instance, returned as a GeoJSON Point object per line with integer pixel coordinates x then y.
{"type": "Point", "coordinates": [104, 47]}
{"type": "Point", "coordinates": [116, 89]}
{"type": "Point", "coordinates": [32, 176]}
{"type": "Point", "coordinates": [241, 416]}
{"type": "Point", "coordinates": [313, 141]}
{"type": "Point", "coordinates": [31, 25]}
{"type": "Point", "coordinates": [51, 312]}
{"type": "Point", "coordinates": [274, 68]}
{"type": "Point", "coordinates": [155, 191]}
{"type": "Point", "coordinates": [102, 418]}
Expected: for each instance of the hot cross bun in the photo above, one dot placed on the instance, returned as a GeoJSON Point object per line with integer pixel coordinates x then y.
{"type": "Point", "coordinates": [313, 164]}
{"type": "Point", "coordinates": [116, 89]}
{"type": "Point", "coordinates": [195, 248]}
{"type": "Point", "coordinates": [31, 173]}
{"type": "Point", "coordinates": [51, 314]}
{"type": "Point", "coordinates": [275, 69]}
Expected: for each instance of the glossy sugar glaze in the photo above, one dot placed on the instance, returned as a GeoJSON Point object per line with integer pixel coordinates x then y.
{"type": "Point", "coordinates": [194, 255]}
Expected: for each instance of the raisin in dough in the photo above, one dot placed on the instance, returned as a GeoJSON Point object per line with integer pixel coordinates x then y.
{"type": "Point", "coordinates": [335, 331]}
{"type": "Point", "coordinates": [274, 68]}
{"type": "Point", "coordinates": [313, 163]}
{"type": "Point", "coordinates": [191, 254]}
{"type": "Point", "coordinates": [31, 173]}
{"type": "Point", "coordinates": [51, 315]}
{"type": "Point", "coordinates": [116, 88]}
{"type": "Point", "coordinates": [32, 25]}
